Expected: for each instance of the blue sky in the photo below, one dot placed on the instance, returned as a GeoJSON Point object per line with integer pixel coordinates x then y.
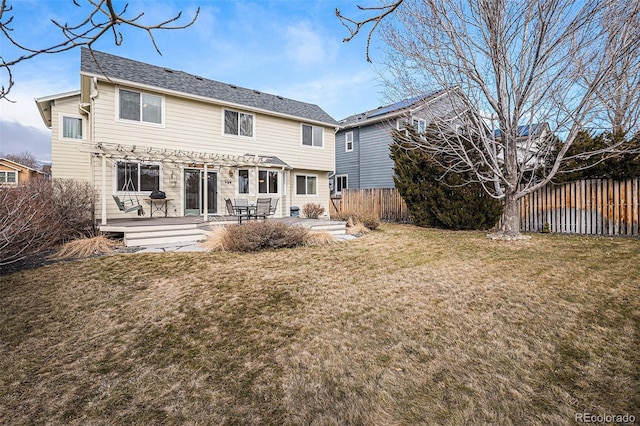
{"type": "Point", "coordinates": [285, 47]}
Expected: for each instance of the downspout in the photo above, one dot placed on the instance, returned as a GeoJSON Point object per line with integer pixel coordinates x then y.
{"type": "Point", "coordinates": [284, 187]}
{"type": "Point", "coordinates": [205, 195]}
{"type": "Point", "coordinates": [92, 137]}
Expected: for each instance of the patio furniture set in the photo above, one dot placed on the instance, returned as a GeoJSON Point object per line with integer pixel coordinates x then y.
{"type": "Point", "coordinates": [263, 208]}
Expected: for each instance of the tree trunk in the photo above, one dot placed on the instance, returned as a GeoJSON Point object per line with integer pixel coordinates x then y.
{"type": "Point", "coordinates": [511, 216]}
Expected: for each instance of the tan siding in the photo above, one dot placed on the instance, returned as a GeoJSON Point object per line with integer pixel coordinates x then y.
{"type": "Point", "coordinates": [189, 126]}
{"type": "Point", "coordinates": [321, 198]}
{"type": "Point", "coordinates": [67, 161]}
{"type": "Point", "coordinates": [197, 126]}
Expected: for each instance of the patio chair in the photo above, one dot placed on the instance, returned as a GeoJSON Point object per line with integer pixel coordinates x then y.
{"type": "Point", "coordinates": [232, 211]}
{"type": "Point", "coordinates": [274, 204]}
{"type": "Point", "coordinates": [263, 208]}
{"type": "Point", "coordinates": [241, 202]}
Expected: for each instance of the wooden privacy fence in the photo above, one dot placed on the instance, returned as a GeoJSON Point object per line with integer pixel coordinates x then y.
{"type": "Point", "coordinates": [386, 203]}
{"type": "Point", "coordinates": [589, 207]}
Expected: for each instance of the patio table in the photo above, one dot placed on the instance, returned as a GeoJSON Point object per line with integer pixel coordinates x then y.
{"type": "Point", "coordinates": [244, 211]}
{"type": "Point", "coordinates": [158, 205]}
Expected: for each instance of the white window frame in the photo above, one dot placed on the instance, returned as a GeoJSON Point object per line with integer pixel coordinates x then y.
{"type": "Point", "coordinates": [348, 142]}
{"type": "Point", "coordinates": [306, 176]}
{"type": "Point", "coordinates": [239, 136]}
{"type": "Point", "coordinates": [61, 118]}
{"type": "Point", "coordinates": [346, 177]}
{"type": "Point", "coordinates": [140, 121]}
{"type": "Point", "coordinates": [268, 171]}
{"type": "Point", "coordinates": [313, 136]}
{"type": "Point", "coordinates": [6, 177]}
{"type": "Point", "coordinates": [420, 124]}
{"type": "Point", "coordinates": [119, 191]}
{"type": "Point", "coordinates": [248, 183]}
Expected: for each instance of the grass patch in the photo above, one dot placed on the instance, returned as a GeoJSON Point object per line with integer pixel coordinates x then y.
{"type": "Point", "coordinates": [85, 247]}
{"type": "Point", "coordinates": [403, 326]}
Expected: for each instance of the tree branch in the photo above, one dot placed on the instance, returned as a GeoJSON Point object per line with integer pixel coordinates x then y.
{"type": "Point", "coordinates": [354, 26]}
{"type": "Point", "coordinates": [102, 18]}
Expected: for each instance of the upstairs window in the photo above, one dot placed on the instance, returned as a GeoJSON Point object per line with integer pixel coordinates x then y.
{"type": "Point", "coordinates": [141, 107]}
{"type": "Point", "coordinates": [71, 127]}
{"type": "Point", "coordinates": [137, 177]}
{"type": "Point", "coordinates": [238, 123]}
{"type": "Point", "coordinates": [312, 136]}
{"type": "Point", "coordinates": [348, 141]}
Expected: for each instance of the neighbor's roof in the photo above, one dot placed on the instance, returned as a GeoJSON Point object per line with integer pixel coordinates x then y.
{"type": "Point", "coordinates": [19, 166]}
{"type": "Point", "coordinates": [122, 69]}
{"type": "Point", "coordinates": [383, 112]}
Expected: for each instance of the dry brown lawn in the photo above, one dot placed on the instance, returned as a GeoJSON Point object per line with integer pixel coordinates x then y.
{"type": "Point", "coordinates": [402, 326]}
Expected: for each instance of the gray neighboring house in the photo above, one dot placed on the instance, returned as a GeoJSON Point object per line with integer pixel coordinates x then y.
{"type": "Point", "coordinates": [362, 141]}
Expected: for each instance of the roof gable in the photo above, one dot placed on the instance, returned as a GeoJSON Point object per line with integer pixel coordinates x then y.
{"type": "Point", "coordinates": [16, 166]}
{"type": "Point", "coordinates": [384, 112]}
{"type": "Point", "coordinates": [120, 68]}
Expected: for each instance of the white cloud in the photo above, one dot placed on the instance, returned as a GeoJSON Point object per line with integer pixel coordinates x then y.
{"type": "Point", "coordinates": [306, 47]}
{"type": "Point", "coordinates": [339, 94]}
{"type": "Point", "coordinates": [16, 138]}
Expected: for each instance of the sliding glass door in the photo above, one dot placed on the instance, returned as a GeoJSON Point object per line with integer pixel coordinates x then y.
{"type": "Point", "coordinates": [194, 192]}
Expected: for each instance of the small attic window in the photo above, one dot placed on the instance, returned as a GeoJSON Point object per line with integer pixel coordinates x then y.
{"type": "Point", "coordinates": [199, 78]}
{"type": "Point", "coordinates": [256, 91]}
{"type": "Point", "coordinates": [168, 70]}
{"type": "Point", "coordinates": [280, 97]}
{"type": "Point", "coordinates": [233, 86]}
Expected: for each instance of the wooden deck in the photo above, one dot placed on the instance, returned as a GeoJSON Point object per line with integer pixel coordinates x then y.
{"type": "Point", "coordinates": [150, 231]}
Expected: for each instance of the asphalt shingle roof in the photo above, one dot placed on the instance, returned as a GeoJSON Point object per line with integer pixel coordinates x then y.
{"type": "Point", "coordinates": [163, 78]}
{"type": "Point", "coordinates": [388, 109]}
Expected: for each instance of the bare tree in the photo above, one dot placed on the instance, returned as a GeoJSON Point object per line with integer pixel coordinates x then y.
{"type": "Point", "coordinates": [102, 18]}
{"type": "Point", "coordinates": [25, 158]}
{"type": "Point", "coordinates": [530, 68]}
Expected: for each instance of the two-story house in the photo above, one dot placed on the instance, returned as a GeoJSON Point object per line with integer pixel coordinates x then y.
{"type": "Point", "coordinates": [362, 141]}
{"type": "Point", "coordinates": [133, 128]}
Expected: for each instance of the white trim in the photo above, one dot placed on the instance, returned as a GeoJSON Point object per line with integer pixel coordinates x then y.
{"type": "Point", "coordinates": [163, 118]}
{"type": "Point", "coordinates": [346, 142]}
{"type": "Point", "coordinates": [296, 193]}
{"type": "Point", "coordinates": [215, 101]}
{"type": "Point", "coordinates": [61, 117]}
{"type": "Point", "coordinates": [237, 183]}
{"type": "Point", "coordinates": [336, 177]}
{"type": "Point", "coordinates": [6, 180]}
{"type": "Point", "coordinates": [118, 191]}
{"type": "Point", "coordinates": [312, 137]}
{"type": "Point", "coordinates": [278, 189]}
{"type": "Point", "coordinates": [238, 136]}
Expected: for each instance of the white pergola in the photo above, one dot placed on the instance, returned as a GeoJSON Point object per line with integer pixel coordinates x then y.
{"type": "Point", "coordinates": [122, 152]}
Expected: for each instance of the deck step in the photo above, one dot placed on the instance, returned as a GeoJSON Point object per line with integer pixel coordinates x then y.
{"type": "Point", "coordinates": [145, 228]}
{"type": "Point", "coordinates": [163, 236]}
{"type": "Point", "coordinates": [338, 228]}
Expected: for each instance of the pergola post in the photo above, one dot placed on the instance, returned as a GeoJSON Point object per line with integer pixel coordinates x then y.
{"type": "Point", "coordinates": [103, 213]}
{"type": "Point", "coordinates": [205, 188]}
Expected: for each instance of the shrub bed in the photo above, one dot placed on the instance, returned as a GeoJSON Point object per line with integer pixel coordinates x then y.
{"type": "Point", "coordinates": [256, 236]}
{"type": "Point", "coordinates": [369, 220]}
{"type": "Point", "coordinates": [312, 210]}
